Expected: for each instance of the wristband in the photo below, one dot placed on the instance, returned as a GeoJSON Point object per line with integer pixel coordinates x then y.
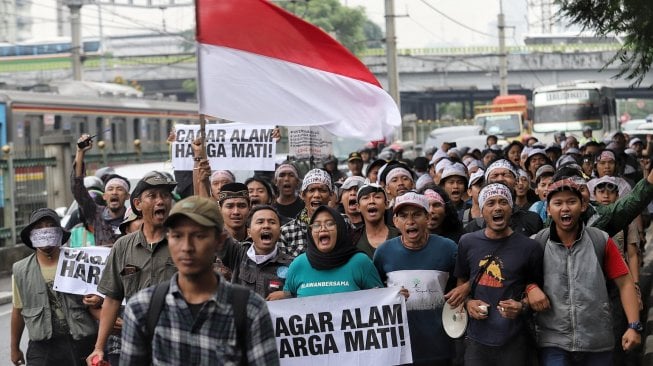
{"type": "Point", "coordinates": [531, 287]}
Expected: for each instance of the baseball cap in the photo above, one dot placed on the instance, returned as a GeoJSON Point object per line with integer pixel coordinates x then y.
{"type": "Point", "coordinates": [544, 169]}
{"type": "Point", "coordinates": [587, 128]}
{"type": "Point", "coordinates": [36, 216]}
{"type": "Point", "coordinates": [456, 169]}
{"type": "Point", "coordinates": [352, 182]}
{"type": "Point", "coordinates": [411, 198]}
{"type": "Point", "coordinates": [150, 180]}
{"type": "Point", "coordinates": [204, 211]}
{"type": "Point", "coordinates": [634, 141]}
{"type": "Point", "coordinates": [475, 177]}
{"type": "Point", "coordinates": [608, 181]}
{"type": "Point", "coordinates": [354, 156]}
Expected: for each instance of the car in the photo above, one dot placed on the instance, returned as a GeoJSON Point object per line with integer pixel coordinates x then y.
{"type": "Point", "coordinates": [470, 136]}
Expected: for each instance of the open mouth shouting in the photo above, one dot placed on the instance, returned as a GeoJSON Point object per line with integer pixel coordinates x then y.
{"type": "Point", "coordinates": [566, 219]}
{"type": "Point", "coordinates": [160, 213]}
{"type": "Point", "coordinates": [412, 233]}
{"type": "Point", "coordinates": [266, 237]}
{"type": "Point", "coordinates": [324, 241]}
{"type": "Point", "coordinates": [498, 218]}
{"type": "Point", "coordinates": [352, 205]}
{"type": "Point", "coordinates": [372, 211]}
{"type": "Point", "coordinates": [316, 203]}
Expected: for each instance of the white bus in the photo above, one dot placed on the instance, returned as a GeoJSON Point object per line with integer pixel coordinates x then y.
{"type": "Point", "coordinates": [571, 106]}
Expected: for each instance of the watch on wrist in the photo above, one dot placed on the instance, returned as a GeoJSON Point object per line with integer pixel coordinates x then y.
{"type": "Point", "coordinates": [637, 326]}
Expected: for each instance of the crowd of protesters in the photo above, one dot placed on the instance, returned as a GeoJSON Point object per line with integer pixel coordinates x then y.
{"type": "Point", "coordinates": [536, 242]}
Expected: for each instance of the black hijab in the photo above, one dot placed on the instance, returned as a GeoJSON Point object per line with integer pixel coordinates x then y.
{"type": "Point", "coordinates": [343, 250]}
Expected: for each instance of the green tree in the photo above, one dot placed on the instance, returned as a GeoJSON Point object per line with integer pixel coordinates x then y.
{"type": "Point", "coordinates": [344, 23]}
{"type": "Point", "coordinates": [374, 34]}
{"type": "Point", "coordinates": [631, 19]}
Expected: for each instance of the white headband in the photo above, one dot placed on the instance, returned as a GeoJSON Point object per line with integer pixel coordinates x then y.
{"type": "Point", "coordinates": [494, 189]}
{"type": "Point", "coordinates": [46, 237]}
{"type": "Point", "coordinates": [318, 176]}
{"type": "Point", "coordinates": [397, 172]}
{"type": "Point", "coordinates": [118, 182]}
{"type": "Point", "coordinates": [501, 163]}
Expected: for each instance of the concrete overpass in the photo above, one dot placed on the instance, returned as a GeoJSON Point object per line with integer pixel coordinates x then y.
{"type": "Point", "coordinates": [426, 75]}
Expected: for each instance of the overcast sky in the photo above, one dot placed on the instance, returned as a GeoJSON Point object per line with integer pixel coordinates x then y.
{"type": "Point", "coordinates": [418, 24]}
{"type": "Point", "coordinates": [421, 26]}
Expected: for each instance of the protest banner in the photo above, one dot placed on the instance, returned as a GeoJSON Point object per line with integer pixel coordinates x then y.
{"type": "Point", "coordinates": [367, 327]}
{"type": "Point", "coordinates": [79, 269]}
{"type": "Point", "coordinates": [232, 146]}
{"type": "Point", "coordinates": [307, 142]}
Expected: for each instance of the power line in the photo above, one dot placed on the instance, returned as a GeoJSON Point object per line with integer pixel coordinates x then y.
{"type": "Point", "coordinates": [457, 22]}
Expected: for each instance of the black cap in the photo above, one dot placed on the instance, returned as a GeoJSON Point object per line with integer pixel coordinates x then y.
{"type": "Point", "coordinates": [36, 216]}
{"type": "Point", "coordinates": [150, 180]}
{"type": "Point", "coordinates": [354, 156]}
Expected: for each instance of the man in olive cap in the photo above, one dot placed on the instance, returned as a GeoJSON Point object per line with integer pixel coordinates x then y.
{"type": "Point", "coordinates": [195, 235]}
{"type": "Point", "coordinates": [137, 260]}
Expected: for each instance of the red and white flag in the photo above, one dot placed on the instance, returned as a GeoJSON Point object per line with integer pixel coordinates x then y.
{"type": "Point", "coordinates": [260, 64]}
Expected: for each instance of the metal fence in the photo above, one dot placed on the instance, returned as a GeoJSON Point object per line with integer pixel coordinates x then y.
{"type": "Point", "coordinates": [22, 190]}
{"type": "Point", "coordinates": [23, 184]}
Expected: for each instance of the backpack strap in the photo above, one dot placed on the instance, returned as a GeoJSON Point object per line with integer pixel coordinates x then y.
{"type": "Point", "coordinates": [239, 300]}
{"type": "Point", "coordinates": [156, 306]}
{"type": "Point", "coordinates": [466, 214]}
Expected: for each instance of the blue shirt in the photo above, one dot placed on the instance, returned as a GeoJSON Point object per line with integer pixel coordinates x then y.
{"type": "Point", "coordinates": [357, 274]}
{"type": "Point", "coordinates": [425, 273]}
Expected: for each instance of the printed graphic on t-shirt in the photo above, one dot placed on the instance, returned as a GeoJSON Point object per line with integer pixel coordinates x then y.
{"type": "Point", "coordinates": [426, 287]}
{"type": "Point", "coordinates": [491, 276]}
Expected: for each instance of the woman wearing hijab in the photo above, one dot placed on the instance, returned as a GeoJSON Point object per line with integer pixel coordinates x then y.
{"type": "Point", "coordinates": [331, 263]}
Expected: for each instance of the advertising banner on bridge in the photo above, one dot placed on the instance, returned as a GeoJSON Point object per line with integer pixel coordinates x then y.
{"type": "Point", "coordinates": [232, 146]}
{"type": "Point", "coordinates": [79, 269]}
{"type": "Point", "coordinates": [367, 327]}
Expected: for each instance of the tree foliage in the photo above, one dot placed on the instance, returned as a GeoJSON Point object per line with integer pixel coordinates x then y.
{"type": "Point", "coordinates": [346, 24]}
{"type": "Point", "coordinates": [631, 19]}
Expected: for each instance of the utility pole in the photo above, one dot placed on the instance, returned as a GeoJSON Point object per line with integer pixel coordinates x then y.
{"type": "Point", "coordinates": [503, 56]}
{"type": "Point", "coordinates": [391, 56]}
{"type": "Point", "coordinates": [75, 7]}
{"type": "Point", "coordinates": [103, 65]}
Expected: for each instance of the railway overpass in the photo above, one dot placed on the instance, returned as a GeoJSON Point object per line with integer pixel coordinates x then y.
{"type": "Point", "coordinates": [427, 76]}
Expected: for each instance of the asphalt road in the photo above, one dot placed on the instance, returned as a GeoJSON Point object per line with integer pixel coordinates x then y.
{"type": "Point", "coordinates": [5, 335]}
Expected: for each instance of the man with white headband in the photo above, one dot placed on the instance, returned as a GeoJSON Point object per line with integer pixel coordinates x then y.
{"type": "Point", "coordinates": [103, 221]}
{"type": "Point", "coordinates": [497, 263]}
{"type": "Point", "coordinates": [316, 191]}
{"type": "Point", "coordinates": [289, 204]}
{"type": "Point", "coordinates": [398, 180]}
{"type": "Point", "coordinates": [522, 221]}
{"type": "Point", "coordinates": [60, 327]}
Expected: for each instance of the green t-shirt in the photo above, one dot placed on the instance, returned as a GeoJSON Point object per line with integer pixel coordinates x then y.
{"type": "Point", "coordinates": [80, 237]}
{"type": "Point", "coordinates": [357, 274]}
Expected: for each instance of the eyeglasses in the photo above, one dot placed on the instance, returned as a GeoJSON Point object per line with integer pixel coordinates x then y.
{"type": "Point", "coordinates": [329, 225]}
{"type": "Point", "coordinates": [416, 215]}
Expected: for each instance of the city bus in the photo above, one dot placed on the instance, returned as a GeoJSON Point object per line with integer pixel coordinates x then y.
{"type": "Point", "coordinates": [571, 106]}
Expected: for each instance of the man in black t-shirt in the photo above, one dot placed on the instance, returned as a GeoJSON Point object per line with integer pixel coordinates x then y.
{"type": "Point", "coordinates": [498, 262]}
{"type": "Point", "coordinates": [287, 180]}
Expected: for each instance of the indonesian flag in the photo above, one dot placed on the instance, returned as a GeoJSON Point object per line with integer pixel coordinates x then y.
{"type": "Point", "coordinates": [262, 65]}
